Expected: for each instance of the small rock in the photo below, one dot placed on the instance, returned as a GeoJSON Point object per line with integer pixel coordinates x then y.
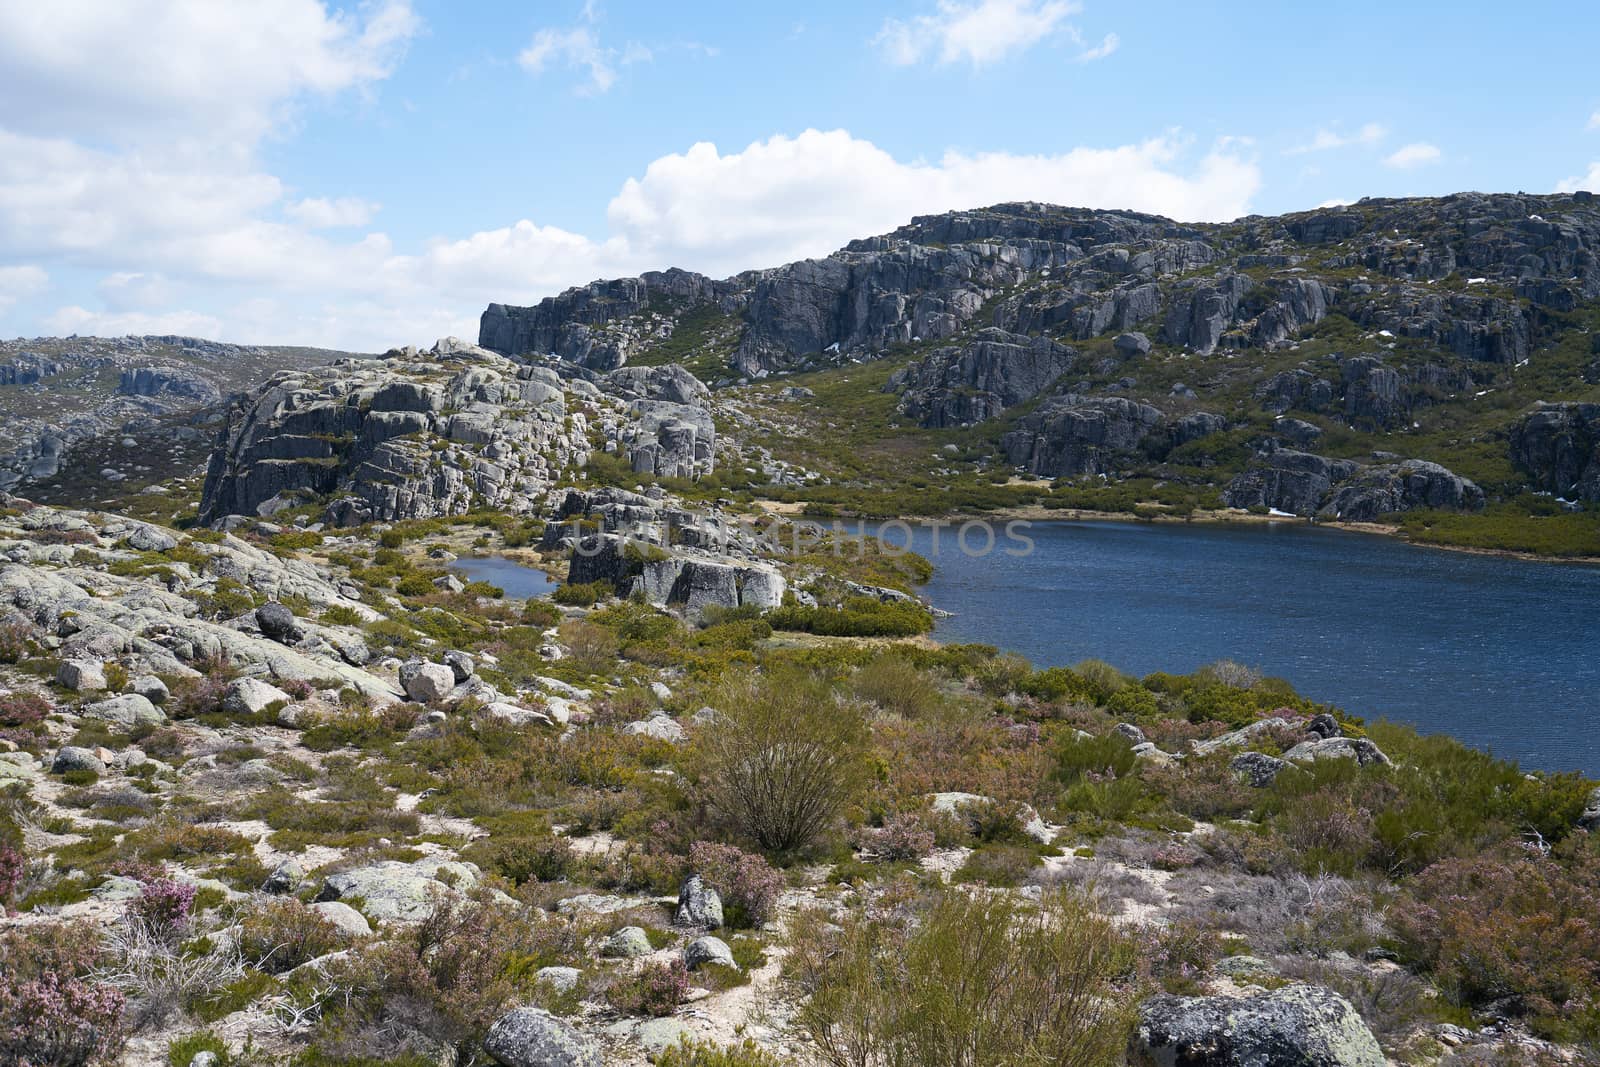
{"type": "Point", "coordinates": [426, 683]}
{"type": "Point", "coordinates": [704, 950]}
{"type": "Point", "coordinates": [151, 688]}
{"type": "Point", "coordinates": [251, 696]}
{"type": "Point", "coordinates": [698, 905]}
{"type": "Point", "coordinates": [561, 979]}
{"type": "Point", "coordinates": [1131, 732]}
{"type": "Point", "coordinates": [82, 675]}
{"type": "Point", "coordinates": [285, 878]}
{"type": "Point", "coordinates": [628, 943]}
{"type": "Point", "coordinates": [1359, 749]}
{"type": "Point", "coordinates": [1257, 768]}
{"type": "Point", "coordinates": [449, 583]}
{"type": "Point", "coordinates": [1324, 726]}
{"type": "Point", "coordinates": [73, 758]}
{"type": "Point", "coordinates": [204, 1058]}
{"type": "Point", "coordinates": [661, 727]}
{"type": "Point", "coordinates": [460, 665]}
{"type": "Point", "coordinates": [277, 622]}
{"type": "Point", "coordinates": [532, 1037]}
{"type": "Point", "coordinates": [662, 693]}
{"type": "Point", "coordinates": [1247, 968]}
{"type": "Point", "coordinates": [655, 1036]}
{"type": "Point", "coordinates": [1590, 819]}
{"type": "Point", "coordinates": [347, 919]}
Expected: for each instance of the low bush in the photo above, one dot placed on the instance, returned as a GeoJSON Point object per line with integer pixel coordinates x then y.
{"type": "Point", "coordinates": [15, 643]}
{"type": "Point", "coordinates": [583, 594]}
{"type": "Point", "coordinates": [785, 756]}
{"type": "Point", "coordinates": [856, 617]}
{"type": "Point", "coordinates": [53, 1010]}
{"type": "Point", "coordinates": [748, 885]}
{"type": "Point", "coordinates": [654, 989]}
{"type": "Point", "coordinates": [693, 1054]}
{"type": "Point", "coordinates": [1022, 982]}
{"type": "Point", "coordinates": [283, 934]}
{"type": "Point", "coordinates": [22, 709]}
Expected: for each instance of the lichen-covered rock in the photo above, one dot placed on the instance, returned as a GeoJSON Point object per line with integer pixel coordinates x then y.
{"type": "Point", "coordinates": [698, 905]}
{"type": "Point", "coordinates": [252, 696]}
{"type": "Point", "coordinates": [125, 712]}
{"type": "Point", "coordinates": [426, 683]}
{"type": "Point", "coordinates": [1359, 749]}
{"type": "Point", "coordinates": [628, 943]}
{"type": "Point", "coordinates": [532, 1037]}
{"type": "Point", "coordinates": [399, 891]}
{"type": "Point", "coordinates": [82, 675]}
{"type": "Point", "coordinates": [76, 758]}
{"type": "Point", "coordinates": [704, 950]}
{"type": "Point", "coordinates": [1257, 768]}
{"type": "Point", "coordinates": [1306, 1026]}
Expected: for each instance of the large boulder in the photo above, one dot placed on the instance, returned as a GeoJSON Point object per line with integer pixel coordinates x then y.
{"type": "Point", "coordinates": [532, 1037]}
{"type": "Point", "coordinates": [252, 696]}
{"type": "Point", "coordinates": [698, 905]}
{"type": "Point", "coordinates": [390, 890]}
{"type": "Point", "coordinates": [1296, 1026]}
{"type": "Point", "coordinates": [125, 712]}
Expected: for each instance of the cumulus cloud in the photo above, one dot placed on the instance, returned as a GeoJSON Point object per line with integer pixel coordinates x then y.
{"type": "Point", "coordinates": [219, 69]}
{"type": "Point", "coordinates": [1416, 154]}
{"type": "Point", "coordinates": [1589, 181]}
{"type": "Point", "coordinates": [20, 281]}
{"type": "Point", "coordinates": [321, 213]}
{"type": "Point", "coordinates": [1326, 139]}
{"type": "Point", "coordinates": [776, 200]}
{"type": "Point", "coordinates": [981, 33]}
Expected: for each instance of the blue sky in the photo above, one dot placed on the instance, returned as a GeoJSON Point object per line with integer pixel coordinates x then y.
{"type": "Point", "coordinates": [368, 174]}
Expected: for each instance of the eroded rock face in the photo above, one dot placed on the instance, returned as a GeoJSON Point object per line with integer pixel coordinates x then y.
{"type": "Point", "coordinates": [1071, 434]}
{"type": "Point", "coordinates": [1558, 445]}
{"type": "Point", "coordinates": [962, 385]}
{"type": "Point", "coordinates": [417, 436]}
{"type": "Point", "coordinates": [1299, 1024]}
{"type": "Point", "coordinates": [1303, 483]}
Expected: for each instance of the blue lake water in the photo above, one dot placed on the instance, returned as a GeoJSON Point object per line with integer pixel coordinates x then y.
{"type": "Point", "coordinates": [1503, 654]}
{"type": "Point", "coordinates": [516, 579]}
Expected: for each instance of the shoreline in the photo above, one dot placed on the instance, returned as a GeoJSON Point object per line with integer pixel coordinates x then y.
{"type": "Point", "coordinates": [1035, 513]}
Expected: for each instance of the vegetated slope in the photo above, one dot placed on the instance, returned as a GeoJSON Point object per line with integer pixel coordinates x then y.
{"type": "Point", "coordinates": [1431, 358]}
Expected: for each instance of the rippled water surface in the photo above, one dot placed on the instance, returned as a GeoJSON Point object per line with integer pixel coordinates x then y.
{"type": "Point", "coordinates": [1502, 653]}
{"type": "Point", "coordinates": [515, 578]}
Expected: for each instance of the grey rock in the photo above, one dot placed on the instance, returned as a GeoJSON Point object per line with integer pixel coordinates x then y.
{"type": "Point", "coordinates": [350, 922]}
{"type": "Point", "coordinates": [561, 979]}
{"type": "Point", "coordinates": [151, 688]}
{"type": "Point", "coordinates": [1131, 344]}
{"type": "Point", "coordinates": [285, 878]}
{"type": "Point", "coordinates": [698, 905]}
{"type": "Point", "coordinates": [1303, 1025]}
{"type": "Point", "coordinates": [277, 622]}
{"type": "Point", "coordinates": [629, 942]}
{"type": "Point", "coordinates": [1130, 731]}
{"type": "Point", "coordinates": [532, 1037]}
{"type": "Point", "coordinates": [82, 675]}
{"type": "Point", "coordinates": [251, 696]}
{"type": "Point", "coordinates": [1590, 817]}
{"type": "Point", "coordinates": [704, 950]}
{"type": "Point", "coordinates": [1359, 749]}
{"type": "Point", "coordinates": [1257, 768]}
{"type": "Point", "coordinates": [1325, 726]}
{"type": "Point", "coordinates": [661, 727]}
{"type": "Point", "coordinates": [460, 664]}
{"type": "Point", "coordinates": [426, 683]}
{"type": "Point", "coordinates": [75, 758]}
{"type": "Point", "coordinates": [1558, 446]}
{"type": "Point", "coordinates": [406, 892]}
{"type": "Point", "coordinates": [125, 712]}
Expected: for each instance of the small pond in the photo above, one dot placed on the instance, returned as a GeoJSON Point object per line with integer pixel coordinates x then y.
{"type": "Point", "coordinates": [518, 579]}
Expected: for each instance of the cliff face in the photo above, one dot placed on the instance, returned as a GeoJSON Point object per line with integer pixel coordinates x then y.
{"type": "Point", "coordinates": [419, 435]}
{"type": "Point", "coordinates": [1472, 274]}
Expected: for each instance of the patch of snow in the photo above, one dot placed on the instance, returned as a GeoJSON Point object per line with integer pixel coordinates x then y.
{"type": "Point", "coordinates": [1276, 514]}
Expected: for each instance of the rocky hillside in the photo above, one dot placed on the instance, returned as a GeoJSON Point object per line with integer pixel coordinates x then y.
{"type": "Point", "coordinates": [1408, 355]}
{"type": "Point", "coordinates": [83, 416]}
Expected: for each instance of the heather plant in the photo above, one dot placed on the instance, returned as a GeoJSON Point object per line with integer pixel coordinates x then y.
{"type": "Point", "coordinates": [15, 642]}
{"type": "Point", "coordinates": [54, 1012]}
{"type": "Point", "coordinates": [22, 709]}
{"type": "Point", "coordinates": [654, 989]}
{"type": "Point", "coordinates": [902, 837]}
{"type": "Point", "coordinates": [163, 907]}
{"type": "Point", "coordinates": [13, 869]}
{"type": "Point", "coordinates": [748, 885]}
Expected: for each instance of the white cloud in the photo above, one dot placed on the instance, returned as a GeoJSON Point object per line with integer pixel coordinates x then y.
{"type": "Point", "coordinates": [73, 319]}
{"type": "Point", "coordinates": [1417, 154]}
{"type": "Point", "coordinates": [1335, 203]}
{"type": "Point", "coordinates": [20, 281]}
{"type": "Point", "coordinates": [792, 197]}
{"type": "Point", "coordinates": [130, 290]}
{"type": "Point", "coordinates": [1594, 121]}
{"type": "Point", "coordinates": [1326, 139]}
{"type": "Point", "coordinates": [1108, 44]}
{"type": "Point", "coordinates": [1589, 181]}
{"type": "Point", "coordinates": [218, 70]}
{"type": "Point", "coordinates": [579, 48]}
{"type": "Point", "coordinates": [321, 213]}
{"type": "Point", "coordinates": [979, 33]}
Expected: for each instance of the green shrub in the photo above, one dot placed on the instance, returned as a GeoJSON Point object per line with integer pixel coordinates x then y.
{"type": "Point", "coordinates": [285, 933]}
{"type": "Point", "coordinates": [856, 617]}
{"type": "Point", "coordinates": [583, 594]}
{"type": "Point", "coordinates": [1108, 755]}
{"type": "Point", "coordinates": [693, 1054]}
{"type": "Point", "coordinates": [1018, 982]}
{"type": "Point", "coordinates": [786, 754]}
{"type": "Point", "coordinates": [654, 989]}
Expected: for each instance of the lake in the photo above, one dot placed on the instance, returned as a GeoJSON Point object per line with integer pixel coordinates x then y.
{"type": "Point", "coordinates": [1503, 654]}
{"type": "Point", "coordinates": [516, 579]}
